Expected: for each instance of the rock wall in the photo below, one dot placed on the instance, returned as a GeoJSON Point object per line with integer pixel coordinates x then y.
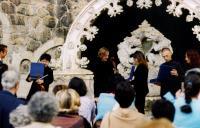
{"type": "Point", "coordinates": [32, 27]}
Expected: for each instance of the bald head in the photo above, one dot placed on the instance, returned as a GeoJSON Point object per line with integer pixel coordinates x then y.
{"type": "Point", "coordinates": [167, 54]}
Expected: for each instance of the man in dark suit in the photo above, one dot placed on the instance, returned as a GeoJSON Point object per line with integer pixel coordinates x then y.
{"type": "Point", "coordinates": [172, 82]}
{"type": "Point", "coordinates": [3, 52]}
{"type": "Point", "coordinates": [103, 72]}
{"type": "Point", "coordinates": [8, 99]}
{"type": "Point", "coordinates": [41, 84]}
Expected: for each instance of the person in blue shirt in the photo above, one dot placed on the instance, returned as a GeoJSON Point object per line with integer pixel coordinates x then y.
{"type": "Point", "coordinates": [8, 100]}
{"type": "Point", "coordinates": [187, 106]}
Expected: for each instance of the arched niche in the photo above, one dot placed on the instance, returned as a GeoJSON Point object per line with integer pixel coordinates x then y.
{"type": "Point", "coordinates": [25, 66]}
{"type": "Point", "coordinates": [86, 32]}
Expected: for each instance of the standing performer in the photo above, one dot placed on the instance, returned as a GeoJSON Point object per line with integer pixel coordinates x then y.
{"type": "Point", "coordinates": [41, 84]}
{"type": "Point", "coordinates": [103, 72]}
{"type": "Point", "coordinates": [140, 79]}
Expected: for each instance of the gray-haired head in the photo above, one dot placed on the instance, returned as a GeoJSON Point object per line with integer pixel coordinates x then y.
{"type": "Point", "coordinates": [20, 117]}
{"type": "Point", "coordinates": [197, 70]}
{"type": "Point", "coordinates": [10, 79]}
{"type": "Point", "coordinates": [42, 107]}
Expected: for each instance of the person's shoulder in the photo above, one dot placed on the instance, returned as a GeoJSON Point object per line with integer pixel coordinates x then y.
{"type": "Point", "coordinates": [142, 66]}
{"type": "Point", "coordinates": [49, 69]}
{"type": "Point", "coordinates": [176, 62]}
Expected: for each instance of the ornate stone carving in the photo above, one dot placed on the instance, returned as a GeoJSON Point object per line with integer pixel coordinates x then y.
{"type": "Point", "coordinates": [114, 8]}
{"type": "Point", "coordinates": [196, 30]}
{"type": "Point", "coordinates": [90, 32]}
{"type": "Point", "coordinates": [144, 4]}
{"type": "Point", "coordinates": [176, 7]}
{"type": "Point", "coordinates": [146, 39]}
{"type": "Point", "coordinates": [82, 24]}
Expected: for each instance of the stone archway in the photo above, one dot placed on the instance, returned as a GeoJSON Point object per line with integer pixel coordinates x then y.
{"type": "Point", "coordinates": [82, 27]}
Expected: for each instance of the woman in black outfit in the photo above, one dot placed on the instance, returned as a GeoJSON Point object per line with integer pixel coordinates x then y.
{"type": "Point", "coordinates": [140, 79]}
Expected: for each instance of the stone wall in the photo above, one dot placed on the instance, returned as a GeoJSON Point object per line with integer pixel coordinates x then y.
{"type": "Point", "coordinates": [32, 27]}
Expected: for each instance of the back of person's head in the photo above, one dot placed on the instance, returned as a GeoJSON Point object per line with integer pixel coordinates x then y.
{"type": "Point", "coordinates": [58, 88]}
{"type": "Point", "coordinates": [20, 117]}
{"type": "Point", "coordinates": [192, 88]}
{"type": "Point", "coordinates": [42, 107]}
{"type": "Point", "coordinates": [124, 94]}
{"type": "Point", "coordinates": [117, 78]}
{"type": "Point", "coordinates": [69, 100]}
{"type": "Point", "coordinates": [163, 109]}
{"type": "Point", "coordinates": [78, 85]}
{"type": "Point", "coordinates": [45, 56]}
{"type": "Point", "coordinates": [157, 123]}
{"type": "Point", "coordinates": [2, 47]}
{"type": "Point", "coordinates": [10, 79]}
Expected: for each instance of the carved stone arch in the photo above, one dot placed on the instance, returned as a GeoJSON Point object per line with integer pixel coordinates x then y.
{"type": "Point", "coordinates": [81, 27]}
{"type": "Point", "coordinates": [47, 46]}
{"type": "Point", "coordinates": [25, 66]}
{"type": "Point", "coordinates": [18, 58]}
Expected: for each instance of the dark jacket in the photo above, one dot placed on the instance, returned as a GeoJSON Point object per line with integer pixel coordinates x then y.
{"type": "Point", "coordinates": [141, 86]}
{"type": "Point", "coordinates": [47, 81]}
{"type": "Point", "coordinates": [103, 75]}
{"type": "Point", "coordinates": [8, 102]}
{"type": "Point", "coordinates": [140, 80]}
{"type": "Point", "coordinates": [172, 83]}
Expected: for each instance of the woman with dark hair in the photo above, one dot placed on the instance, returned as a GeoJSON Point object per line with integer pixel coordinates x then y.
{"type": "Point", "coordinates": [187, 113]}
{"type": "Point", "coordinates": [140, 79]}
{"type": "Point", "coordinates": [87, 107]}
{"type": "Point", "coordinates": [192, 59]}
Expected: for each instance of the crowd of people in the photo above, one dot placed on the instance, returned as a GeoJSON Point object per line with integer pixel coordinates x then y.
{"type": "Point", "coordinates": [118, 102]}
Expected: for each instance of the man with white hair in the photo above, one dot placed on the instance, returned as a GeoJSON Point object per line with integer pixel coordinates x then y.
{"type": "Point", "coordinates": [8, 99]}
{"type": "Point", "coordinates": [172, 81]}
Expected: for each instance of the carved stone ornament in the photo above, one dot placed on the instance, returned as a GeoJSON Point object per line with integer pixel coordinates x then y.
{"type": "Point", "coordinates": [146, 39]}
{"type": "Point", "coordinates": [82, 27]}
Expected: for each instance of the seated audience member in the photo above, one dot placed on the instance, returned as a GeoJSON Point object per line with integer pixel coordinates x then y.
{"type": "Point", "coordinates": [69, 102]}
{"type": "Point", "coordinates": [163, 109]}
{"type": "Point", "coordinates": [106, 101]}
{"type": "Point", "coordinates": [20, 117]}
{"type": "Point", "coordinates": [158, 123]}
{"type": "Point", "coordinates": [58, 88]}
{"type": "Point", "coordinates": [3, 68]}
{"type": "Point", "coordinates": [187, 108]}
{"type": "Point", "coordinates": [87, 108]}
{"type": "Point", "coordinates": [123, 117]}
{"type": "Point", "coordinates": [8, 99]}
{"type": "Point", "coordinates": [42, 108]}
